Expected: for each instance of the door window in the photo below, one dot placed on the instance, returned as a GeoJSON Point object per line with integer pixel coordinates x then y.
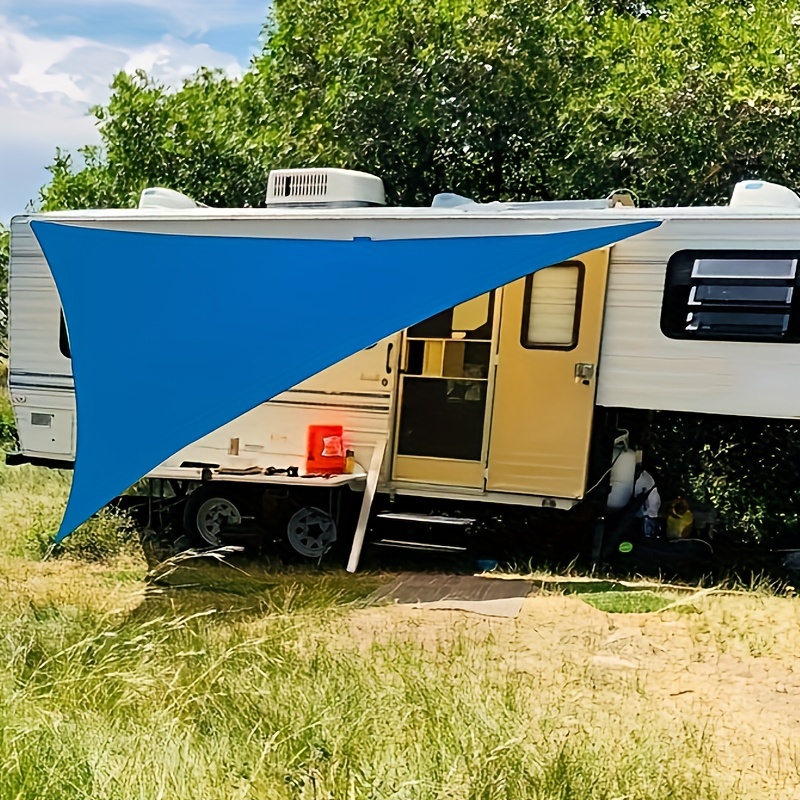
{"type": "Point", "coordinates": [444, 383]}
{"type": "Point", "coordinates": [470, 320]}
{"type": "Point", "coordinates": [442, 418]}
{"type": "Point", "coordinates": [552, 307]}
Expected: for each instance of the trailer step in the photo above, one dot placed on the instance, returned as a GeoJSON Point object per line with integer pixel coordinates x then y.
{"type": "Point", "coordinates": [440, 548]}
{"type": "Point", "coordinates": [429, 519]}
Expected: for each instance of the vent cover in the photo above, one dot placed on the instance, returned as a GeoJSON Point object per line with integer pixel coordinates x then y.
{"type": "Point", "coordinates": [324, 188]}
{"type": "Point", "coordinates": [299, 185]}
{"type": "Point", "coordinates": [158, 197]}
{"type": "Point", "coordinates": [750, 194]}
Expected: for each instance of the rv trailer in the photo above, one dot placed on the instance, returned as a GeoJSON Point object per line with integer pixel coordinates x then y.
{"type": "Point", "coordinates": [512, 398]}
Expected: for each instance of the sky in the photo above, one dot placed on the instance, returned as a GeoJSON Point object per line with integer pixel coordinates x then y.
{"type": "Point", "coordinates": [58, 57]}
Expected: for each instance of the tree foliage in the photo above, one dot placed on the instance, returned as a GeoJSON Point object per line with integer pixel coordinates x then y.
{"type": "Point", "coordinates": [673, 99]}
{"type": "Point", "coordinates": [745, 467]}
{"type": "Point", "coordinates": [4, 242]}
{"type": "Point", "coordinates": [676, 100]}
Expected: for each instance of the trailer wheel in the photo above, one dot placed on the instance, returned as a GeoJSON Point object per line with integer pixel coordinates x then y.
{"type": "Point", "coordinates": [209, 511]}
{"type": "Point", "coordinates": [311, 532]}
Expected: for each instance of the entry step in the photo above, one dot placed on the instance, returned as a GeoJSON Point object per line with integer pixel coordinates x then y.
{"type": "Point", "coordinates": [428, 519]}
{"type": "Point", "coordinates": [439, 548]}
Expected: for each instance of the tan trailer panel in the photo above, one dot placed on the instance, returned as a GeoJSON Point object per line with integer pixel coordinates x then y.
{"type": "Point", "coordinates": [546, 374]}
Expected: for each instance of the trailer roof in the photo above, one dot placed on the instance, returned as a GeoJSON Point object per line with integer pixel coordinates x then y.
{"type": "Point", "coordinates": [482, 211]}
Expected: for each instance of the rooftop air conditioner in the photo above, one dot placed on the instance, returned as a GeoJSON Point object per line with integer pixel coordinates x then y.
{"type": "Point", "coordinates": [324, 188]}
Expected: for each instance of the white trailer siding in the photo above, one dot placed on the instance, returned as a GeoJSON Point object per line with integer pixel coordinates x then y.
{"type": "Point", "coordinates": [274, 433]}
{"type": "Point", "coordinates": [40, 375]}
{"type": "Point", "coordinates": [640, 367]}
{"type": "Point", "coordinates": [35, 312]}
{"type": "Point", "coordinates": [356, 393]}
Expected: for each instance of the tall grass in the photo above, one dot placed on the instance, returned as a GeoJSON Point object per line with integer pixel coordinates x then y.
{"type": "Point", "coordinates": [231, 681]}
{"type": "Point", "coordinates": [291, 707]}
{"type": "Point", "coordinates": [7, 428]}
{"type": "Point", "coordinates": [32, 501]}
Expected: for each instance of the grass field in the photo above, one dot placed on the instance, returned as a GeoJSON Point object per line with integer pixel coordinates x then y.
{"type": "Point", "coordinates": [228, 680]}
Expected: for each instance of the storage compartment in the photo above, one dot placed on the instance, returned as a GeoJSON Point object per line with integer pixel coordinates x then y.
{"type": "Point", "coordinates": [325, 454]}
{"type": "Point", "coordinates": [45, 431]}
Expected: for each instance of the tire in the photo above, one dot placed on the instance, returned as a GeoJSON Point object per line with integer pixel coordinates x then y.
{"type": "Point", "coordinates": [209, 511]}
{"type": "Point", "coordinates": [311, 533]}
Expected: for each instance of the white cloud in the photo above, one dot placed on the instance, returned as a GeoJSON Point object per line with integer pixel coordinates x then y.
{"type": "Point", "coordinates": [171, 60]}
{"type": "Point", "coordinates": [187, 17]}
{"type": "Point", "coordinates": [80, 69]}
{"type": "Point", "coordinates": [27, 63]}
{"type": "Point", "coordinates": [47, 86]}
{"type": "Point", "coordinates": [201, 16]}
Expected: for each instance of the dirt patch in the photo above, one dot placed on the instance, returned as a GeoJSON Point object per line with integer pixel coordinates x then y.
{"type": "Point", "coordinates": [475, 593]}
{"type": "Point", "coordinates": [724, 667]}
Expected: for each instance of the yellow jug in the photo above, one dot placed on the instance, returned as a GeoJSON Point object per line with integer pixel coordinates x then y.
{"type": "Point", "coordinates": [680, 520]}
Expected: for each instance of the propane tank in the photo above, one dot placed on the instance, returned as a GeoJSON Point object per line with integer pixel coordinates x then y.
{"type": "Point", "coordinates": [623, 474]}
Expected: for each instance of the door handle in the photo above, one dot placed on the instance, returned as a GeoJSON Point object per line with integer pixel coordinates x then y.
{"type": "Point", "coordinates": [389, 349]}
{"type": "Point", "coordinates": [584, 373]}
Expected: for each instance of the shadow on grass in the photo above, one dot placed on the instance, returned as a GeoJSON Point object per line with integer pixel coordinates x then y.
{"type": "Point", "coordinates": [225, 583]}
{"type": "Point", "coordinates": [230, 583]}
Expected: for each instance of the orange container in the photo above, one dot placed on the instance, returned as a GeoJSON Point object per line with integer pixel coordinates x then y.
{"type": "Point", "coordinates": [325, 453]}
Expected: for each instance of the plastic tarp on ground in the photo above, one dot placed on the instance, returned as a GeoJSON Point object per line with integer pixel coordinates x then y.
{"type": "Point", "coordinates": [174, 335]}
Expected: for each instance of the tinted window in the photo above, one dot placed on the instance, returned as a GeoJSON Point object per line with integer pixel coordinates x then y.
{"type": "Point", "coordinates": [63, 338]}
{"type": "Point", "coordinates": [731, 296]}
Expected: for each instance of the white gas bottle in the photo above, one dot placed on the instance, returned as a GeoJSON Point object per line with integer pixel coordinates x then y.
{"type": "Point", "coordinates": [623, 474]}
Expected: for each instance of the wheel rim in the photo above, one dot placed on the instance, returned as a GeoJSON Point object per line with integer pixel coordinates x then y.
{"type": "Point", "coordinates": [311, 532]}
{"type": "Point", "coordinates": [216, 514]}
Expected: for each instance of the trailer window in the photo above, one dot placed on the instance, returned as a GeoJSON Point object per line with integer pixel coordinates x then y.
{"type": "Point", "coordinates": [552, 307]}
{"type": "Point", "coordinates": [731, 296]}
{"type": "Point", "coordinates": [63, 338]}
{"type": "Point", "coordinates": [472, 320]}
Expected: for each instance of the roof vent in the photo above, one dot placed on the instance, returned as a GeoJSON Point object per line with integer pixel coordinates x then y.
{"type": "Point", "coordinates": [763, 194]}
{"type": "Point", "coordinates": [324, 188]}
{"type": "Point", "coordinates": [158, 197]}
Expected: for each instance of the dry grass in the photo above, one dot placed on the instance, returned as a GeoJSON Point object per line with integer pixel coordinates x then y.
{"type": "Point", "coordinates": [717, 674]}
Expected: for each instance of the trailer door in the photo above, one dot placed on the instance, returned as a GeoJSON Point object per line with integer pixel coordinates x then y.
{"type": "Point", "coordinates": [549, 344]}
{"type": "Point", "coordinates": [445, 397]}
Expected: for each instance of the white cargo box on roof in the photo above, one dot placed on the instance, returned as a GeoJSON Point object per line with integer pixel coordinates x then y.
{"type": "Point", "coordinates": [324, 188]}
{"type": "Point", "coordinates": [159, 197]}
{"type": "Point", "coordinates": [751, 194]}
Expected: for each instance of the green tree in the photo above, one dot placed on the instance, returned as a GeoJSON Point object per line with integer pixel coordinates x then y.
{"type": "Point", "coordinates": [674, 99]}
{"type": "Point", "coordinates": [4, 241]}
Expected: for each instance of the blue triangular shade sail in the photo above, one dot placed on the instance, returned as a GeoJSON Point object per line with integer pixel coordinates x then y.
{"type": "Point", "coordinates": [174, 335]}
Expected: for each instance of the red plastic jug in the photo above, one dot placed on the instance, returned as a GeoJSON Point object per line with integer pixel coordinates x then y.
{"type": "Point", "coordinates": [325, 453]}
